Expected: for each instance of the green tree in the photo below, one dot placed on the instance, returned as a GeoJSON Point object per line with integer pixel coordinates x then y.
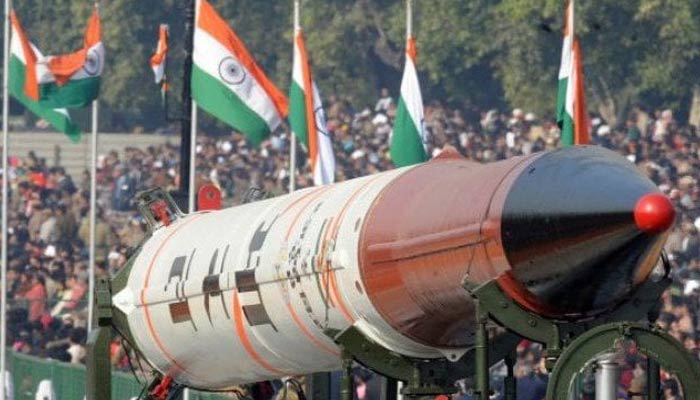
{"type": "Point", "coordinates": [670, 69]}
{"type": "Point", "coordinates": [529, 44]}
{"type": "Point", "coordinates": [489, 53]}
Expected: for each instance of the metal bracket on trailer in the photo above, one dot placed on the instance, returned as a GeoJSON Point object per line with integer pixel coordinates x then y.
{"type": "Point", "coordinates": [494, 304]}
{"type": "Point", "coordinates": [98, 365]}
{"type": "Point", "coordinates": [422, 377]}
{"type": "Point", "coordinates": [556, 336]}
{"type": "Point", "coordinates": [657, 345]}
{"type": "Point", "coordinates": [357, 347]}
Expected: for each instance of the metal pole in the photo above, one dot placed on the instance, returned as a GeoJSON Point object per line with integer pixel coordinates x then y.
{"type": "Point", "coordinates": [606, 378]}
{"type": "Point", "coordinates": [318, 386]}
{"type": "Point", "coordinates": [481, 355]}
{"type": "Point", "coordinates": [509, 384]}
{"type": "Point", "coordinates": [409, 18]}
{"type": "Point", "coordinates": [653, 379]}
{"type": "Point", "coordinates": [192, 207]}
{"type": "Point", "coordinates": [188, 123]}
{"type": "Point", "coordinates": [574, 392]}
{"type": "Point", "coordinates": [347, 385]}
{"type": "Point", "coordinates": [292, 138]}
{"type": "Point", "coordinates": [185, 127]}
{"type": "Point", "coordinates": [292, 161]}
{"type": "Point", "coordinates": [164, 83]}
{"type": "Point", "coordinates": [3, 237]}
{"type": "Point", "coordinates": [390, 389]}
{"type": "Point", "coordinates": [93, 214]}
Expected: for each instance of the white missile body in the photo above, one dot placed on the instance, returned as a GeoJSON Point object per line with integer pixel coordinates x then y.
{"type": "Point", "coordinates": [245, 294]}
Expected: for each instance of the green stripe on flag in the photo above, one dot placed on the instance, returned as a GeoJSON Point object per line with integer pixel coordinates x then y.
{"type": "Point", "coordinates": [567, 131]}
{"type": "Point", "coordinates": [218, 100]}
{"type": "Point", "coordinates": [62, 122]}
{"type": "Point", "coordinates": [74, 94]}
{"type": "Point", "coordinates": [297, 113]}
{"type": "Point", "coordinates": [561, 100]}
{"type": "Point", "coordinates": [406, 141]}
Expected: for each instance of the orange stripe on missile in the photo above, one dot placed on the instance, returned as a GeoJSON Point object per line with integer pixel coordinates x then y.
{"type": "Point", "coordinates": [245, 341]}
{"type": "Point", "coordinates": [322, 264]}
{"type": "Point", "coordinates": [293, 313]}
{"type": "Point", "coordinates": [297, 201]}
{"type": "Point", "coordinates": [298, 214]}
{"type": "Point", "coordinates": [308, 333]}
{"type": "Point", "coordinates": [334, 235]}
{"type": "Point", "coordinates": [147, 313]}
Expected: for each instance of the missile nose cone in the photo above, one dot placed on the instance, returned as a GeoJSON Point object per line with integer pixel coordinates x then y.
{"type": "Point", "coordinates": [582, 228]}
{"type": "Point", "coordinates": [654, 213]}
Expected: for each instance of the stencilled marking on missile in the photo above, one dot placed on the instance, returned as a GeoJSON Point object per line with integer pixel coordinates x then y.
{"type": "Point", "coordinates": [245, 281]}
{"type": "Point", "coordinates": [302, 209]}
{"type": "Point", "coordinates": [292, 281]}
{"type": "Point", "coordinates": [331, 244]}
{"type": "Point", "coordinates": [323, 267]}
{"type": "Point", "coordinates": [221, 271]}
{"type": "Point", "coordinates": [176, 367]}
{"type": "Point", "coordinates": [257, 242]}
{"type": "Point", "coordinates": [296, 259]}
{"type": "Point", "coordinates": [176, 270]}
{"type": "Point", "coordinates": [296, 268]}
{"type": "Point", "coordinates": [358, 286]}
{"type": "Point", "coordinates": [180, 310]}
{"type": "Point", "coordinates": [187, 275]}
{"type": "Point", "coordinates": [316, 262]}
{"type": "Point", "coordinates": [210, 284]}
{"type": "Point", "coordinates": [245, 341]}
{"type": "Point", "coordinates": [255, 313]}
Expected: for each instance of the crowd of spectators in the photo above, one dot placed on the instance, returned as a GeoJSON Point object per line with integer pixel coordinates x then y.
{"type": "Point", "coordinates": [48, 210]}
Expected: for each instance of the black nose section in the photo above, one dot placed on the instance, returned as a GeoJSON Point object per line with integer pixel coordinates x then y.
{"type": "Point", "coordinates": [570, 234]}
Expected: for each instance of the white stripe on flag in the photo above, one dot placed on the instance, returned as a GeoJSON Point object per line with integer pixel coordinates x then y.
{"type": "Point", "coordinates": [412, 97]}
{"type": "Point", "coordinates": [209, 55]}
{"type": "Point", "coordinates": [325, 159]}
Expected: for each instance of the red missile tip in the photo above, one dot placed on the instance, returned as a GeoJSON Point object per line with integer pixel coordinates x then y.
{"type": "Point", "coordinates": [654, 213]}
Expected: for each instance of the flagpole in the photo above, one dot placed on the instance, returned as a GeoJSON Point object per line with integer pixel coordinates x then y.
{"type": "Point", "coordinates": [93, 212]}
{"type": "Point", "coordinates": [292, 161]}
{"type": "Point", "coordinates": [193, 159]}
{"type": "Point", "coordinates": [409, 19]}
{"type": "Point", "coordinates": [5, 185]}
{"type": "Point", "coordinates": [409, 34]}
{"type": "Point", "coordinates": [187, 103]}
{"type": "Point", "coordinates": [292, 138]}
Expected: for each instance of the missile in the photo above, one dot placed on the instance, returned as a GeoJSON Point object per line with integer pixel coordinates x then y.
{"type": "Point", "coordinates": [219, 298]}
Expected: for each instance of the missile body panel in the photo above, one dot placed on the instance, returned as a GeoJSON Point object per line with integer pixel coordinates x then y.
{"type": "Point", "coordinates": [256, 291]}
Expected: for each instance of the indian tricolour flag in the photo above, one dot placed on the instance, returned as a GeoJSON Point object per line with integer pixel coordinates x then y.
{"type": "Point", "coordinates": [572, 116]}
{"type": "Point", "coordinates": [160, 58]}
{"type": "Point", "coordinates": [23, 61]}
{"type": "Point", "coordinates": [307, 118]}
{"type": "Point", "coordinates": [71, 80]}
{"type": "Point", "coordinates": [228, 83]}
{"type": "Point", "coordinates": [408, 137]}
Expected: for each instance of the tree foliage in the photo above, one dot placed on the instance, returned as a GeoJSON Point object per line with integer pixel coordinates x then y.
{"type": "Point", "coordinates": [500, 53]}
